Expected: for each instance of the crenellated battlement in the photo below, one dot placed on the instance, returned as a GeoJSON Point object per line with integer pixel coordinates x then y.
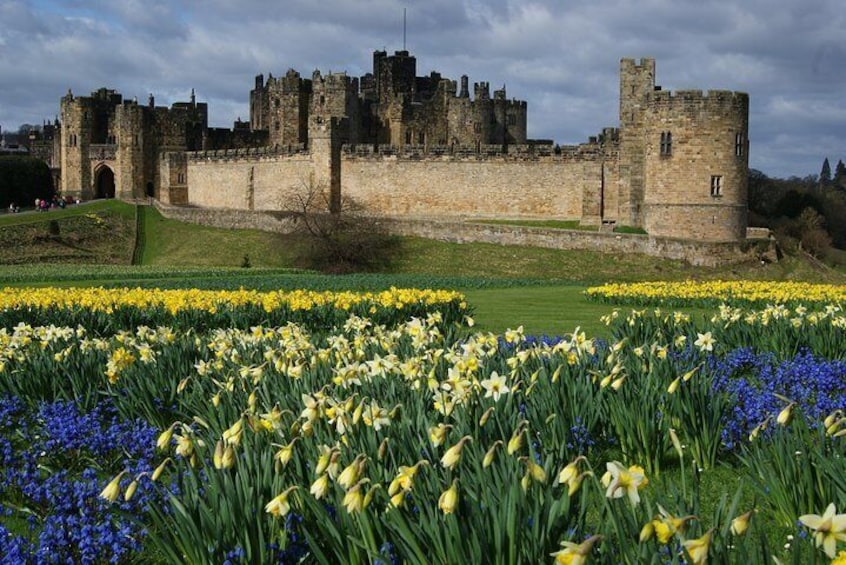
{"type": "Point", "coordinates": [716, 99]}
{"type": "Point", "coordinates": [493, 153]}
{"type": "Point", "coordinates": [248, 152]}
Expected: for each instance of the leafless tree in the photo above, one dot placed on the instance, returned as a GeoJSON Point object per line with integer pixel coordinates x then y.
{"type": "Point", "coordinates": [341, 237]}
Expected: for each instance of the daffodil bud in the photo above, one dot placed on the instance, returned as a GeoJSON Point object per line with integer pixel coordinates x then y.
{"type": "Point", "coordinates": [159, 470]}
{"type": "Point", "coordinates": [449, 498]}
{"type": "Point", "coordinates": [646, 532]}
{"type": "Point", "coordinates": [228, 459]}
{"type": "Point", "coordinates": [112, 490]}
{"type": "Point", "coordinates": [130, 490]}
{"type": "Point", "coordinates": [383, 450]}
{"type": "Point", "coordinates": [489, 455]}
{"type": "Point", "coordinates": [163, 442]}
{"type": "Point", "coordinates": [674, 386]}
{"type": "Point", "coordinates": [557, 374]}
{"type": "Point", "coordinates": [217, 459]}
{"type": "Point", "coordinates": [786, 414]}
{"type": "Point", "coordinates": [741, 523]}
{"type": "Point", "coordinates": [484, 419]}
{"type": "Point", "coordinates": [676, 443]}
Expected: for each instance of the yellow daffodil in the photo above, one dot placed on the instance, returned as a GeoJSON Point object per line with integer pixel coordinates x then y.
{"type": "Point", "coordinates": [351, 473]}
{"type": "Point", "coordinates": [740, 524]}
{"type": "Point", "coordinates": [697, 548]}
{"type": "Point", "coordinates": [437, 434]}
{"type": "Point", "coordinates": [112, 490]}
{"type": "Point", "coordinates": [354, 498]}
{"type": "Point", "coordinates": [786, 414]}
{"type": "Point", "coordinates": [320, 487]}
{"type": "Point", "coordinates": [828, 528]}
{"type": "Point", "coordinates": [159, 470]}
{"type": "Point", "coordinates": [625, 482]}
{"type": "Point", "coordinates": [453, 455]}
{"type": "Point", "coordinates": [490, 454]}
{"type": "Point", "coordinates": [575, 553]}
{"type": "Point", "coordinates": [163, 441]}
{"type": "Point", "coordinates": [449, 498]}
{"type": "Point", "coordinates": [280, 506]}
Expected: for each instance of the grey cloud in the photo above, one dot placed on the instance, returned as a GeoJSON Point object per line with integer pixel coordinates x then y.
{"type": "Point", "coordinates": [562, 57]}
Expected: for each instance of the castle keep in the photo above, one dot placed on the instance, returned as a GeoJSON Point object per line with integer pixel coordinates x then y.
{"type": "Point", "coordinates": [414, 147]}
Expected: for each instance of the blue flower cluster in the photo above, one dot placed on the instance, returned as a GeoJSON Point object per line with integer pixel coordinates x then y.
{"type": "Point", "coordinates": [817, 385]}
{"type": "Point", "coordinates": [53, 465]}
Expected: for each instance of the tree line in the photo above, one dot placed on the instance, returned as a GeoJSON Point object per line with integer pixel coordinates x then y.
{"type": "Point", "coordinates": [808, 213]}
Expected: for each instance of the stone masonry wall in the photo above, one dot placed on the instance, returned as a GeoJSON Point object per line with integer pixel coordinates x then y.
{"type": "Point", "coordinates": [246, 182]}
{"type": "Point", "coordinates": [709, 254]}
{"type": "Point", "coordinates": [482, 188]}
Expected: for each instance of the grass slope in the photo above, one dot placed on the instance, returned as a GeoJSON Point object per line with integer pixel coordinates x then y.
{"type": "Point", "coordinates": [507, 285]}
{"type": "Point", "coordinates": [101, 233]}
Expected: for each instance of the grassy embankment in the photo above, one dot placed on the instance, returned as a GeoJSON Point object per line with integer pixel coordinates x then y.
{"type": "Point", "coordinates": [508, 286]}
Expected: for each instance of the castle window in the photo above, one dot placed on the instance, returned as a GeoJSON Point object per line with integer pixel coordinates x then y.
{"type": "Point", "coordinates": [738, 145]}
{"type": "Point", "coordinates": [421, 138]}
{"type": "Point", "coordinates": [322, 100]}
{"type": "Point", "coordinates": [408, 137]}
{"type": "Point", "coordinates": [666, 143]}
{"type": "Point", "coordinates": [276, 126]}
{"type": "Point", "coordinates": [716, 186]}
{"type": "Point", "coordinates": [512, 120]}
{"type": "Point", "coordinates": [276, 102]}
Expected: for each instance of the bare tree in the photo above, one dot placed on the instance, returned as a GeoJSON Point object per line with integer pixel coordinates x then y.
{"type": "Point", "coordinates": [341, 237]}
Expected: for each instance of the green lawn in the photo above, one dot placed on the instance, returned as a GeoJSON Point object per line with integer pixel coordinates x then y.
{"type": "Point", "coordinates": [507, 285]}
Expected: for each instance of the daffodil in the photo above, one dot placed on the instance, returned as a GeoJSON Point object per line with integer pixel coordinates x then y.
{"type": "Point", "coordinates": [163, 441]}
{"type": "Point", "coordinates": [575, 553]}
{"type": "Point", "coordinates": [786, 414]}
{"type": "Point", "coordinates": [705, 342]}
{"type": "Point", "coordinates": [740, 524]}
{"type": "Point", "coordinates": [351, 473]}
{"type": "Point", "coordinates": [828, 528]}
{"type": "Point", "coordinates": [697, 548]}
{"type": "Point", "coordinates": [354, 498]}
{"type": "Point", "coordinates": [453, 455]}
{"type": "Point", "coordinates": [320, 486]}
{"type": "Point", "coordinates": [112, 490]}
{"type": "Point", "coordinates": [490, 454]}
{"type": "Point", "coordinates": [279, 505]}
{"type": "Point", "coordinates": [437, 434]}
{"type": "Point", "coordinates": [624, 482]}
{"type": "Point", "coordinates": [449, 498]}
{"type": "Point", "coordinates": [495, 386]}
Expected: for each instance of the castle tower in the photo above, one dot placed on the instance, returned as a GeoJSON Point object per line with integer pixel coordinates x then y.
{"type": "Point", "coordinates": [637, 81]}
{"type": "Point", "coordinates": [696, 164]}
{"type": "Point", "coordinates": [75, 139]}
{"type": "Point", "coordinates": [131, 138]}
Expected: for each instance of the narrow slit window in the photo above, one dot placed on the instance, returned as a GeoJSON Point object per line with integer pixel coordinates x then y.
{"type": "Point", "coordinates": [738, 145]}
{"type": "Point", "coordinates": [716, 186]}
{"type": "Point", "coordinates": [666, 143]}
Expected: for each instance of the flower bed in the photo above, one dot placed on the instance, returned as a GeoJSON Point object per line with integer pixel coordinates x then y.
{"type": "Point", "coordinates": [408, 442]}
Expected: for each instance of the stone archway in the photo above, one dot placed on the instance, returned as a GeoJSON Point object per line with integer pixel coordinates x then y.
{"type": "Point", "coordinates": [104, 182]}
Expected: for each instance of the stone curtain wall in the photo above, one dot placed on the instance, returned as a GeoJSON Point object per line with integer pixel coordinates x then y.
{"type": "Point", "coordinates": [699, 253]}
{"type": "Point", "coordinates": [245, 182]}
{"type": "Point", "coordinates": [546, 188]}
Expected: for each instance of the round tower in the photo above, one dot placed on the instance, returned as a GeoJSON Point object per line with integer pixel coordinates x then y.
{"type": "Point", "coordinates": [696, 164]}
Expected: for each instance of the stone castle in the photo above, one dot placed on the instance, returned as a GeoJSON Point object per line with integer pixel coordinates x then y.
{"type": "Point", "coordinates": [411, 147]}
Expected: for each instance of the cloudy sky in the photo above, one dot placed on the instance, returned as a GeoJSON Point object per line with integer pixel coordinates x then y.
{"type": "Point", "coordinates": [562, 57]}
